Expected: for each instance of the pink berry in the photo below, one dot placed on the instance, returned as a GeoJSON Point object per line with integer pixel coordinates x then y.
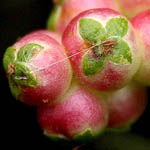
{"type": "Point", "coordinates": [126, 105]}
{"type": "Point", "coordinates": [34, 76]}
{"type": "Point", "coordinates": [131, 8]}
{"type": "Point", "coordinates": [65, 10]}
{"type": "Point", "coordinates": [102, 48]}
{"type": "Point", "coordinates": [79, 116]}
{"type": "Point", "coordinates": [142, 25]}
{"type": "Point", "coordinates": [52, 34]}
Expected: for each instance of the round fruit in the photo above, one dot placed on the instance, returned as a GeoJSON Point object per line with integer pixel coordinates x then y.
{"type": "Point", "coordinates": [142, 25]}
{"type": "Point", "coordinates": [79, 116]}
{"type": "Point", "coordinates": [34, 76]}
{"type": "Point", "coordinates": [102, 48]}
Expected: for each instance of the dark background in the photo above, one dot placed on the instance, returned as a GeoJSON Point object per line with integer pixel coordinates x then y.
{"type": "Point", "coordinates": [19, 124]}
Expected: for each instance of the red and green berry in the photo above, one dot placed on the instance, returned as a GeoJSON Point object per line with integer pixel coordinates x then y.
{"type": "Point", "coordinates": [109, 56]}
{"type": "Point", "coordinates": [31, 76]}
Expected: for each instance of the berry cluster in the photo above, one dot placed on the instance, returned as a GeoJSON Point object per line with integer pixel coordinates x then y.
{"type": "Point", "coordinates": [89, 71]}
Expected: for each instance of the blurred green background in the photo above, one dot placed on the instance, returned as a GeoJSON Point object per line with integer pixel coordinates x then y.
{"type": "Point", "coordinates": [19, 124]}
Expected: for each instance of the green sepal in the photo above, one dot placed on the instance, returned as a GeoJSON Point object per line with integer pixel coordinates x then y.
{"type": "Point", "coordinates": [14, 88]}
{"type": "Point", "coordinates": [121, 53]}
{"type": "Point", "coordinates": [117, 27]}
{"type": "Point", "coordinates": [55, 137]}
{"type": "Point", "coordinates": [86, 135]}
{"type": "Point", "coordinates": [91, 30]}
{"type": "Point", "coordinates": [54, 17]}
{"type": "Point", "coordinates": [28, 51]}
{"type": "Point", "coordinates": [60, 140]}
{"type": "Point", "coordinates": [91, 66]}
{"type": "Point", "coordinates": [9, 57]}
{"type": "Point", "coordinates": [23, 75]}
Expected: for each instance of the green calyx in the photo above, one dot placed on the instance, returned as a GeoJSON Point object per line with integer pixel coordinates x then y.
{"type": "Point", "coordinates": [121, 52]}
{"type": "Point", "coordinates": [117, 27]}
{"type": "Point", "coordinates": [55, 137]}
{"type": "Point", "coordinates": [106, 43]}
{"type": "Point", "coordinates": [91, 30]}
{"type": "Point", "coordinates": [86, 135]}
{"type": "Point", "coordinates": [9, 57]}
{"type": "Point", "coordinates": [28, 51]}
{"type": "Point", "coordinates": [15, 64]}
{"type": "Point", "coordinates": [14, 88]}
{"type": "Point", "coordinates": [23, 75]}
{"type": "Point", "coordinates": [90, 63]}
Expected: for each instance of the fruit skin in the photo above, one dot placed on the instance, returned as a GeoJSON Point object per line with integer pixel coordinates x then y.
{"type": "Point", "coordinates": [51, 34]}
{"type": "Point", "coordinates": [65, 10]}
{"type": "Point", "coordinates": [131, 8]}
{"type": "Point", "coordinates": [112, 75]}
{"type": "Point", "coordinates": [142, 25]}
{"type": "Point", "coordinates": [31, 77]}
{"type": "Point", "coordinates": [79, 116]}
{"type": "Point", "coordinates": [126, 105]}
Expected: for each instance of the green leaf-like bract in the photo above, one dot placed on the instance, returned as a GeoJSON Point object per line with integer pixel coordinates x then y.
{"type": "Point", "coordinates": [56, 137]}
{"type": "Point", "coordinates": [14, 87]}
{"type": "Point", "coordinates": [28, 51]}
{"type": "Point", "coordinates": [9, 57]}
{"type": "Point", "coordinates": [23, 75]}
{"type": "Point", "coordinates": [91, 30]}
{"type": "Point", "coordinates": [92, 65]}
{"type": "Point", "coordinates": [121, 53]}
{"type": "Point", "coordinates": [117, 27]}
{"type": "Point", "coordinates": [85, 135]}
{"type": "Point", "coordinates": [108, 42]}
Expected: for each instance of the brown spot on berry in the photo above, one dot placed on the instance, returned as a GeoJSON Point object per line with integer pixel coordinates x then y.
{"type": "Point", "coordinates": [34, 52]}
{"type": "Point", "coordinates": [11, 69]}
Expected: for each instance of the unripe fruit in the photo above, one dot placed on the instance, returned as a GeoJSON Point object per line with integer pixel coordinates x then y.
{"type": "Point", "coordinates": [34, 76]}
{"type": "Point", "coordinates": [131, 8]}
{"type": "Point", "coordinates": [65, 10]}
{"type": "Point", "coordinates": [79, 116]}
{"type": "Point", "coordinates": [142, 25]}
{"type": "Point", "coordinates": [102, 48]}
{"type": "Point", "coordinates": [126, 105]}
